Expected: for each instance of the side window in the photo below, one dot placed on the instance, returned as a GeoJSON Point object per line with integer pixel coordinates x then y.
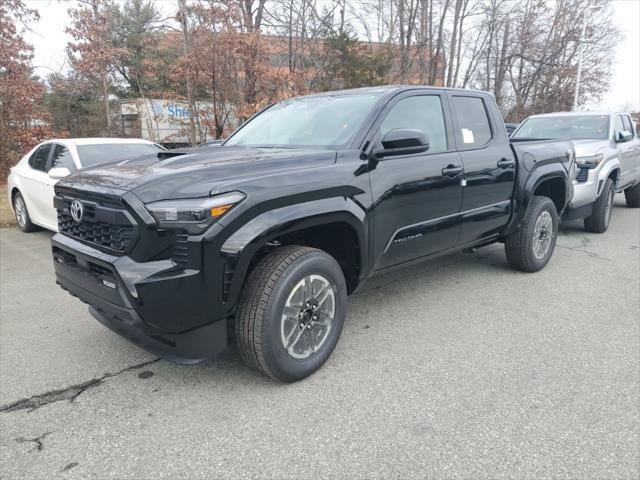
{"type": "Point", "coordinates": [619, 126]}
{"type": "Point", "coordinates": [628, 126]}
{"type": "Point", "coordinates": [38, 160]}
{"type": "Point", "coordinates": [474, 128]}
{"type": "Point", "coordinates": [62, 158]}
{"type": "Point", "coordinates": [423, 112]}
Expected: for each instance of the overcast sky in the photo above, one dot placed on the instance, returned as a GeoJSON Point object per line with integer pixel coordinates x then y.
{"type": "Point", "coordinates": [49, 41]}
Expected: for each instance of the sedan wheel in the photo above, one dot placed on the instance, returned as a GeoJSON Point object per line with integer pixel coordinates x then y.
{"type": "Point", "coordinates": [22, 214]}
{"type": "Point", "coordinates": [21, 211]}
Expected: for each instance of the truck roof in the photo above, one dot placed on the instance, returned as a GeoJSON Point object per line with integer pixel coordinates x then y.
{"type": "Point", "coordinates": [386, 89]}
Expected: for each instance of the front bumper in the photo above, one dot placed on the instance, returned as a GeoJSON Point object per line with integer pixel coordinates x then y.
{"type": "Point", "coordinates": [149, 303]}
{"type": "Point", "coordinates": [587, 192]}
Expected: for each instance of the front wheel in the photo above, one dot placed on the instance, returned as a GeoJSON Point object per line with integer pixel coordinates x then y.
{"type": "Point", "coordinates": [632, 196]}
{"type": "Point", "coordinates": [291, 312]}
{"type": "Point", "coordinates": [530, 247]}
{"type": "Point", "coordinates": [599, 220]}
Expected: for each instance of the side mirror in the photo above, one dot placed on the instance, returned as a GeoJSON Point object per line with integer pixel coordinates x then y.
{"type": "Point", "coordinates": [401, 141]}
{"type": "Point", "coordinates": [59, 172]}
{"type": "Point", "coordinates": [624, 136]}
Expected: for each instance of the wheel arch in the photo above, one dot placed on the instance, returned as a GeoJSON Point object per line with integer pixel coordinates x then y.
{"type": "Point", "coordinates": [555, 188]}
{"type": "Point", "coordinates": [14, 191]}
{"type": "Point", "coordinates": [614, 174]}
{"type": "Point", "coordinates": [334, 225]}
{"type": "Point", "coordinates": [550, 182]}
{"type": "Point", "coordinates": [611, 169]}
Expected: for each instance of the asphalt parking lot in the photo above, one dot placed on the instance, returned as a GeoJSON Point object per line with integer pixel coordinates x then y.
{"type": "Point", "coordinates": [457, 368]}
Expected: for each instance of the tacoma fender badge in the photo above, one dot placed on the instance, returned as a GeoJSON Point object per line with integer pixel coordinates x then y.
{"type": "Point", "coordinates": [407, 238]}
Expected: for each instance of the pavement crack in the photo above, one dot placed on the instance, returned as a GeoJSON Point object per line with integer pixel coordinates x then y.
{"type": "Point", "coordinates": [580, 248]}
{"type": "Point", "coordinates": [69, 393]}
{"type": "Point", "coordinates": [38, 440]}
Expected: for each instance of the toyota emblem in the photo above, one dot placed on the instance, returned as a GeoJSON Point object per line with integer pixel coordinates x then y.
{"type": "Point", "coordinates": [77, 210]}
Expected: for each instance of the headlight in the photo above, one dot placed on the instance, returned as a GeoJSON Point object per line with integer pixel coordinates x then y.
{"type": "Point", "coordinates": [193, 214]}
{"type": "Point", "coordinates": [589, 162]}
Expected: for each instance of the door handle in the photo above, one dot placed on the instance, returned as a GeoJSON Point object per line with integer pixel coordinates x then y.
{"type": "Point", "coordinates": [452, 171]}
{"type": "Point", "coordinates": [506, 163]}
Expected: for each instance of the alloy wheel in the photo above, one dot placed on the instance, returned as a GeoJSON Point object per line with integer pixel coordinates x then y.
{"type": "Point", "coordinates": [542, 235]}
{"type": "Point", "coordinates": [21, 211]}
{"type": "Point", "coordinates": [308, 316]}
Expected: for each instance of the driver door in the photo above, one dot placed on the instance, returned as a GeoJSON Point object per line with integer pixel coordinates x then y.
{"type": "Point", "coordinates": [416, 197]}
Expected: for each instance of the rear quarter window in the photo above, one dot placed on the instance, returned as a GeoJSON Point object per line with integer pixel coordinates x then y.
{"type": "Point", "coordinates": [473, 126]}
{"type": "Point", "coordinates": [38, 159]}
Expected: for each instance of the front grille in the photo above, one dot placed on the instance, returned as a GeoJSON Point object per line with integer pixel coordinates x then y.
{"type": "Point", "coordinates": [101, 234]}
{"type": "Point", "coordinates": [583, 174]}
{"type": "Point", "coordinates": [106, 228]}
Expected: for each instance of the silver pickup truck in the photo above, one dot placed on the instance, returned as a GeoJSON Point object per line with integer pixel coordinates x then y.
{"type": "Point", "coordinates": [607, 159]}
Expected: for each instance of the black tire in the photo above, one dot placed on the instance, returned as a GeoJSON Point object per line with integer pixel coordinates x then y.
{"type": "Point", "coordinates": [260, 324]}
{"type": "Point", "coordinates": [519, 246]}
{"type": "Point", "coordinates": [600, 217]}
{"type": "Point", "coordinates": [632, 196]}
{"type": "Point", "coordinates": [22, 214]}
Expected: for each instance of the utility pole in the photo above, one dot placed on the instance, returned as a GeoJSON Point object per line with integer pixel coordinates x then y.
{"type": "Point", "coordinates": [187, 48]}
{"type": "Point", "coordinates": [583, 32]}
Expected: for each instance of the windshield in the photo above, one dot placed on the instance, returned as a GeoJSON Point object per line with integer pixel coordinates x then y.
{"type": "Point", "coordinates": [321, 122]}
{"type": "Point", "coordinates": [570, 127]}
{"type": "Point", "coordinates": [91, 155]}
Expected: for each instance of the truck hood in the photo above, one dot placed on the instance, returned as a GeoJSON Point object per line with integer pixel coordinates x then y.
{"type": "Point", "coordinates": [588, 148]}
{"type": "Point", "coordinates": [193, 172]}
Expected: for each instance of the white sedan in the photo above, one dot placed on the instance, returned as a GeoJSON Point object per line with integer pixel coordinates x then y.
{"type": "Point", "coordinates": [30, 183]}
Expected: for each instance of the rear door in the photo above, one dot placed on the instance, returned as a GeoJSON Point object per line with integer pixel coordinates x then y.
{"type": "Point", "coordinates": [629, 151]}
{"type": "Point", "coordinates": [489, 166]}
{"type": "Point", "coordinates": [35, 186]}
{"type": "Point", "coordinates": [416, 198]}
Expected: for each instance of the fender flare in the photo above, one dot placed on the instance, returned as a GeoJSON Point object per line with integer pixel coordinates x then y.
{"type": "Point", "coordinates": [239, 248]}
{"type": "Point", "coordinates": [609, 166]}
{"type": "Point", "coordinates": [524, 193]}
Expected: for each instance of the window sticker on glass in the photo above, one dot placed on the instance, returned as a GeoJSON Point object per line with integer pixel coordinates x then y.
{"type": "Point", "coordinates": [467, 136]}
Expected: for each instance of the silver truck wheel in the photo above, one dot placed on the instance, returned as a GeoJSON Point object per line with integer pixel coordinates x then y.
{"type": "Point", "coordinates": [632, 196]}
{"type": "Point", "coordinates": [599, 220]}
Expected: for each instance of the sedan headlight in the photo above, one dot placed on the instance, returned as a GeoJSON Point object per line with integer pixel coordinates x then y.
{"type": "Point", "coordinates": [193, 214]}
{"type": "Point", "coordinates": [589, 162]}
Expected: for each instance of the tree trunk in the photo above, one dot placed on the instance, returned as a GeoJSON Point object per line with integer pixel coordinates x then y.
{"type": "Point", "coordinates": [453, 43]}
{"type": "Point", "coordinates": [105, 97]}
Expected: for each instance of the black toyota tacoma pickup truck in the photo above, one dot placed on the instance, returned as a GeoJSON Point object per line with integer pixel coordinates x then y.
{"type": "Point", "coordinates": [262, 239]}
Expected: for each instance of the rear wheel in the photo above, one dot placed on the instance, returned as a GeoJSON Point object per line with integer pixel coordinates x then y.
{"type": "Point", "coordinates": [599, 220]}
{"type": "Point", "coordinates": [632, 196]}
{"type": "Point", "coordinates": [291, 312]}
{"type": "Point", "coordinates": [22, 214]}
{"type": "Point", "coordinates": [531, 246]}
